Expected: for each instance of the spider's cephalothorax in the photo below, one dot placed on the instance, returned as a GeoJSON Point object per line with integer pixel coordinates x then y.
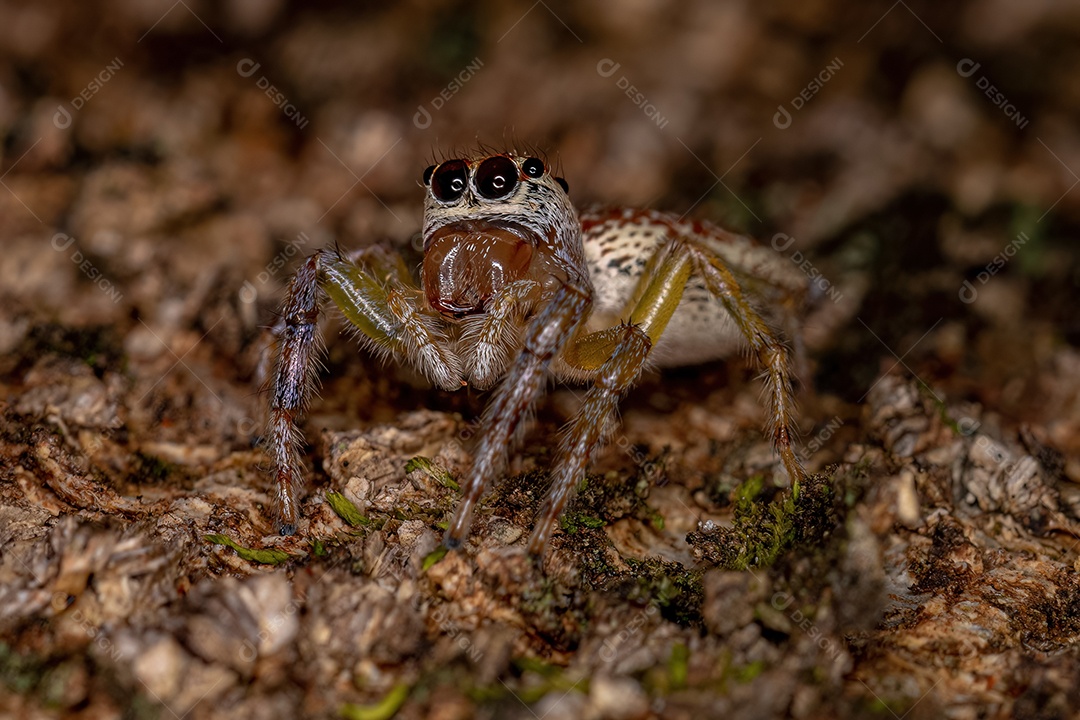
{"type": "Point", "coordinates": [491, 224]}
{"type": "Point", "coordinates": [516, 286]}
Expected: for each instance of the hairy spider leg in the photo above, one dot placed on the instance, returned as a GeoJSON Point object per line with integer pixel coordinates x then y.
{"type": "Point", "coordinates": [617, 356]}
{"type": "Point", "coordinates": [384, 313]}
{"type": "Point", "coordinates": [768, 349]}
{"type": "Point", "coordinates": [620, 354]}
{"type": "Point", "coordinates": [546, 334]}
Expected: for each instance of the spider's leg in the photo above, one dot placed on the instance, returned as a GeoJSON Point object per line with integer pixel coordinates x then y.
{"type": "Point", "coordinates": [617, 355]}
{"type": "Point", "coordinates": [294, 376]}
{"type": "Point", "coordinates": [547, 333]}
{"type": "Point", "coordinates": [385, 317]}
{"type": "Point", "coordinates": [769, 350]}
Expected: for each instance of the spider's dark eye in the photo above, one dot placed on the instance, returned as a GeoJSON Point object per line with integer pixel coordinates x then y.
{"type": "Point", "coordinates": [563, 185]}
{"type": "Point", "coordinates": [448, 180]}
{"type": "Point", "coordinates": [533, 167]}
{"type": "Point", "coordinates": [496, 177]}
{"type": "Point", "coordinates": [427, 174]}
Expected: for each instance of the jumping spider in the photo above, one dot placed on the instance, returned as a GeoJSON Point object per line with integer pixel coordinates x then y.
{"type": "Point", "coordinates": [516, 285]}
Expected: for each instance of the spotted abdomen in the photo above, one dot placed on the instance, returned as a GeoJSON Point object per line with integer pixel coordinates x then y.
{"type": "Point", "coordinates": [618, 244]}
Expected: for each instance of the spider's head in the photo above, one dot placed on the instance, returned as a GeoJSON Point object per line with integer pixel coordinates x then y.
{"type": "Point", "coordinates": [493, 220]}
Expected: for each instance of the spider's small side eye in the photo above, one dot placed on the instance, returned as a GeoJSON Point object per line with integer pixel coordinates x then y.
{"type": "Point", "coordinates": [533, 167]}
{"type": "Point", "coordinates": [563, 185]}
{"type": "Point", "coordinates": [448, 181]}
{"type": "Point", "coordinates": [427, 174]}
{"type": "Point", "coordinates": [496, 177]}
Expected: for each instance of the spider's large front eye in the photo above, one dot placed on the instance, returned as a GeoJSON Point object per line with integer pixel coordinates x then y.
{"type": "Point", "coordinates": [449, 179]}
{"type": "Point", "coordinates": [496, 177]}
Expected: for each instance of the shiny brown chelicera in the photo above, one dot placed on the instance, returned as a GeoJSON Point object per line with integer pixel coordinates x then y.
{"type": "Point", "coordinates": [516, 286]}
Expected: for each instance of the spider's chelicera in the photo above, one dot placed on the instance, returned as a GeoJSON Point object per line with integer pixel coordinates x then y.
{"type": "Point", "coordinates": [516, 286]}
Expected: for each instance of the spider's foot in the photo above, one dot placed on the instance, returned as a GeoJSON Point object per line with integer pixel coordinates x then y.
{"type": "Point", "coordinates": [287, 529]}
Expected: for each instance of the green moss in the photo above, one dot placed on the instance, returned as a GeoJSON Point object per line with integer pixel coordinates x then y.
{"type": "Point", "coordinates": [763, 531]}
{"type": "Point", "coordinates": [541, 668]}
{"type": "Point", "coordinates": [679, 666]}
{"type": "Point", "coordinates": [747, 673]}
{"type": "Point", "coordinates": [656, 520]}
{"type": "Point", "coordinates": [433, 557]}
{"type": "Point", "coordinates": [98, 346]}
{"type": "Point", "coordinates": [20, 673]}
{"type": "Point", "coordinates": [152, 469]}
{"type": "Point", "coordinates": [602, 500]}
{"type": "Point", "coordinates": [432, 470]}
{"type": "Point", "coordinates": [572, 521]}
{"type": "Point", "coordinates": [382, 710]}
{"type": "Point", "coordinates": [268, 556]}
{"type": "Point", "coordinates": [550, 678]}
{"type": "Point", "coordinates": [678, 592]}
{"type": "Point", "coordinates": [346, 510]}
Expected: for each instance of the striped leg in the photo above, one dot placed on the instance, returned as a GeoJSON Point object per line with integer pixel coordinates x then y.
{"type": "Point", "coordinates": [617, 356]}
{"type": "Point", "coordinates": [547, 333]}
{"type": "Point", "coordinates": [387, 318]}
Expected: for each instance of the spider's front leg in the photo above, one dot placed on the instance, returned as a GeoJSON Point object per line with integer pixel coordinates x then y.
{"type": "Point", "coordinates": [617, 356]}
{"type": "Point", "coordinates": [546, 335]}
{"type": "Point", "coordinates": [372, 290]}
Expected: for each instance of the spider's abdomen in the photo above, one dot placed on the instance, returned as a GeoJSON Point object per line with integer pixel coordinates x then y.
{"type": "Point", "coordinates": [618, 245]}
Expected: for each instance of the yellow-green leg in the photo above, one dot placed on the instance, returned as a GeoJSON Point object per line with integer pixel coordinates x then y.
{"type": "Point", "coordinates": [372, 295]}
{"type": "Point", "coordinates": [617, 355]}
